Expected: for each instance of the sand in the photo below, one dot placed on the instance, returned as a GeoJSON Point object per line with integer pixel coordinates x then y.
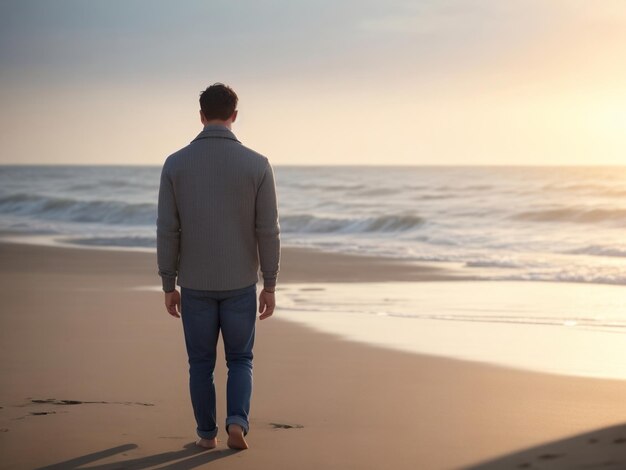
{"type": "Point", "coordinates": [94, 374]}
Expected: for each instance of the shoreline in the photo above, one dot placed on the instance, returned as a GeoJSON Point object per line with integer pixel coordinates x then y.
{"type": "Point", "coordinates": [489, 322]}
{"type": "Point", "coordinates": [348, 266]}
{"type": "Point", "coordinates": [307, 273]}
{"type": "Point", "coordinates": [298, 264]}
{"type": "Point", "coordinates": [73, 331]}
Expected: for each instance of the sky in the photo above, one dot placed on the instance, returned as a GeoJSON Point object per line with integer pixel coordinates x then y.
{"type": "Point", "coordinates": [332, 82]}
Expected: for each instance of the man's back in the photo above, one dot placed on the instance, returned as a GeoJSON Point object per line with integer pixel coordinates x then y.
{"type": "Point", "coordinates": [217, 200]}
{"type": "Point", "coordinates": [217, 221]}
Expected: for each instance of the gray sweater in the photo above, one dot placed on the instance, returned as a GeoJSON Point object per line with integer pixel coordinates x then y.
{"type": "Point", "coordinates": [217, 217]}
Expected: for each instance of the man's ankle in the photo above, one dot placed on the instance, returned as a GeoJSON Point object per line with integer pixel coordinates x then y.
{"type": "Point", "coordinates": [235, 427]}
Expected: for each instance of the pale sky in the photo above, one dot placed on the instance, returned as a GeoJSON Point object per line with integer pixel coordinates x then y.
{"type": "Point", "coordinates": [469, 82]}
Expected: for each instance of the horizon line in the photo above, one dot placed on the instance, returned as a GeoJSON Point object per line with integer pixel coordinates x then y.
{"type": "Point", "coordinates": [276, 165]}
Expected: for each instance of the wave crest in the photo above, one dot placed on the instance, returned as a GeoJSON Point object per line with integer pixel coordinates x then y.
{"type": "Point", "coordinates": [307, 223]}
{"type": "Point", "coordinates": [573, 214]}
{"type": "Point", "coordinates": [74, 210]}
{"type": "Point", "coordinates": [598, 250]}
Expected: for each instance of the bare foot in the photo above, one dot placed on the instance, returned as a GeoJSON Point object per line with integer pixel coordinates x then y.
{"type": "Point", "coordinates": [236, 439]}
{"type": "Point", "coordinates": [207, 443]}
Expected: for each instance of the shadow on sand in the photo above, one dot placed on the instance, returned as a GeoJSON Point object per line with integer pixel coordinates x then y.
{"type": "Point", "coordinates": [602, 448]}
{"type": "Point", "coordinates": [196, 457]}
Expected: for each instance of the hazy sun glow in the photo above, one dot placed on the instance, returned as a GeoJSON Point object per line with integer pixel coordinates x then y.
{"type": "Point", "coordinates": [450, 82]}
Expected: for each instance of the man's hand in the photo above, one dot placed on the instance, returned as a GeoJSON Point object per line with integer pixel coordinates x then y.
{"type": "Point", "coordinates": [172, 301]}
{"type": "Point", "coordinates": [267, 303]}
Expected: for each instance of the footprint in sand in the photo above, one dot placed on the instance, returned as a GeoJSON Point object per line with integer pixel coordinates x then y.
{"type": "Point", "coordinates": [54, 401]}
{"type": "Point", "coordinates": [286, 426]}
{"type": "Point", "coordinates": [58, 402]}
{"type": "Point", "coordinates": [550, 456]}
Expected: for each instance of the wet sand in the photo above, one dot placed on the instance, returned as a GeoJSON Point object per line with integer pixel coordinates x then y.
{"type": "Point", "coordinates": [94, 373]}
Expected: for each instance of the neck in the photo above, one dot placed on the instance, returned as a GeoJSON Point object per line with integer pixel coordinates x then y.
{"type": "Point", "coordinates": [218, 122]}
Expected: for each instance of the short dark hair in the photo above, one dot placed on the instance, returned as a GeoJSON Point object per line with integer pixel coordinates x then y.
{"type": "Point", "coordinates": [218, 101]}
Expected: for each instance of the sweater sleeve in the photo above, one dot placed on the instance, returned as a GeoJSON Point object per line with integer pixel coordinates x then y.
{"type": "Point", "coordinates": [168, 233]}
{"type": "Point", "coordinates": [268, 228]}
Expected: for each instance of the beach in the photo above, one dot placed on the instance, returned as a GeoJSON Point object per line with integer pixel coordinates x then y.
{"type": "Point", "coordinates": [94, 373]}
{"type": "Point", "coordinates": [438, 189]}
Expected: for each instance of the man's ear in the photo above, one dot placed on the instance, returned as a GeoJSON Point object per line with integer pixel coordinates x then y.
{"type": "Point", "coordinates": [234, 117]}
{"type": "Point", "coordinates": [202, 118]}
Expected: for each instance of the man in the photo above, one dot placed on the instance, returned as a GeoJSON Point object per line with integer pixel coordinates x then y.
{"type": "Point", "coordinates": [217, 224]}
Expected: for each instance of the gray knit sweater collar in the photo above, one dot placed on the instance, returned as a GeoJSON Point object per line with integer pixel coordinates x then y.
{"type": "Point", "coordinates": [215, 130]}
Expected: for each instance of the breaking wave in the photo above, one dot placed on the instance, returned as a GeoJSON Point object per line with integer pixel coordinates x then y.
{"type": "Point", "coordinates": [574, 214]}
{"type": "Point", "coordinates": [75, 210]}
{"type": "Point", "coordinates": [308, 223]}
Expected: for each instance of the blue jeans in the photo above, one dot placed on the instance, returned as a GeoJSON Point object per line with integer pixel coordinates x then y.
{"type": "Point", "coordinates": [204, 313]}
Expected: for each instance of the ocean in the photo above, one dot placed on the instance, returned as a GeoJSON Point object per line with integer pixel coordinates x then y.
{"type": "Point", "coordinates": [543, 249]}
{"type": "Point", "coordinates": [562, 224]}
